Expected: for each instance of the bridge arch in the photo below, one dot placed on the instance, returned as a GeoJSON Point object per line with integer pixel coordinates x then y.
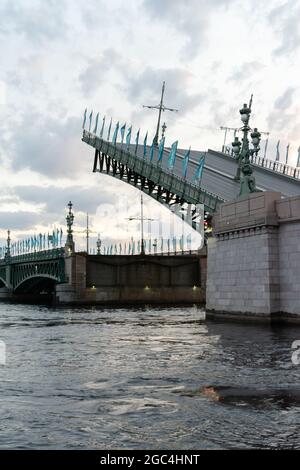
{"type": "Point", "coordinates": [37, 284]}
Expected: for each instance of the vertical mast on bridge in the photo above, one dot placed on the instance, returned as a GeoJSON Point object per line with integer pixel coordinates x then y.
{"type": "Point", "coordinates": [161, 107]}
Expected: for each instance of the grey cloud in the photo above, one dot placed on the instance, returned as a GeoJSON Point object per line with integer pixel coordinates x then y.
{"type": "Point", "coordinates": [282, 116]}
{"type": "Point", "coordinates": [54, 201]}
{"type": "Point", "coordinates": [95, 14]}
{"type": "Point", "coordinates": [246, 71]}
{"type": "Point", "coordinates": [95, 73]}
{"type": "Point", "coordinates": [190, 18]}
{"type": "Point", "coordinates": [47, 146]}
{"type": "Point", "coordinates": [38, 21]}
{"type": "Point", "coordinates": [284, 101]}
{"type": "Point", "coordinates": [285, 22]}
{"type": "Point", "coordinates": [18, 220]}
{"type": "Point", "coordinates": [29, 75]}
{"type": "Point", "coordinates": [85, 199]}
{"type": "Point", "coordinates": [147, 87]}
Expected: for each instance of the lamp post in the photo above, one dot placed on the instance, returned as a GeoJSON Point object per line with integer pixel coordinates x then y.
{"type": "Point", "coordinates": [164, 127]}
{"type": "Point", "coordinates": [243, 152]}
{"type": "Point", "coordinates": [7, 254]}
{"type": "Point", "coordinates": [99, 243]}
{"type": "Point", "coordinates": [70, 221]}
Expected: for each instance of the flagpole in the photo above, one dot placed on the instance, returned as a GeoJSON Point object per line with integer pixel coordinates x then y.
{"type": "Point", "coordinates": [142, 226]}
{"type": "Point", "coordinates": [161, 107]}
{"type": "Point", "coordinates": [266, 146]}
{"type": "Point", "coordinates": [287, 154]}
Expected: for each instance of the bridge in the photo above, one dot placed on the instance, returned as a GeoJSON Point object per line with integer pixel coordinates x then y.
{"type": "Point", "coordinates": [217, 185]}
{"type": "Point", "coordinates": [72, 277]}
{"type": "Point", "coordinates": [28, 272]}
{"type": "Point", "coordinates": [33, 272]}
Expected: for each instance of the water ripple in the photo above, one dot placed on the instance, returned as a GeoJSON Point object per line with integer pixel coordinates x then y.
{"type": "Point", "coordinates": [145, 378]}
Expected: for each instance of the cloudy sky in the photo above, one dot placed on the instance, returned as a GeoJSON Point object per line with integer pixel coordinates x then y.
{"type": "Point", "coordinates": [60, 56]}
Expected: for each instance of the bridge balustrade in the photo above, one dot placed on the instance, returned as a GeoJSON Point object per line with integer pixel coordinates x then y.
{"type": "Point", "coordinates": [273, 165]}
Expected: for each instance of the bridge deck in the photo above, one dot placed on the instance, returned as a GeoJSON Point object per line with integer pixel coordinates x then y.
{"type": "Point", "coordinates": [219, 171]}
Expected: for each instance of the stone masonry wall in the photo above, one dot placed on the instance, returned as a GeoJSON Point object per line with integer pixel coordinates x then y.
{"type": "Point", "coordinates": [254, 258]}
{"type": "Point", "coordinates": [243, 272]}
{"type": "Point", "coordinates": [289, 248]}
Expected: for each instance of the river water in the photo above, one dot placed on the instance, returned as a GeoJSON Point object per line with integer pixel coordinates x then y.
{"type": "Point", "coordinates": [149, 378]}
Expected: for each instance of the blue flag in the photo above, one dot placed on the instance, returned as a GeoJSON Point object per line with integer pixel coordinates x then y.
{"type": "Point", "coordinates": [128, 137]}
{"type": "Point", "coordinates": [161, 150]}
{"type": "Point", "coordinates": [114, 139]}
{"type": "Point", "coordinates": [91, 117]}
{"type": "Point", "coordinates": [102, 128]}
{"type": "Point", "coordinates": [181, 242]}
{"type": "Point", "coordinates": [189, 241]}
{"type": "Point", "coordinates": [109, 129]}
{"type": "Point", "coordinates": [152, 152]}
{"type": "Point", "coordinates": [137, 140]}
{"type": "Point", "coordinates": [96, 123]}
{"type": "Point", "coordinates": [122, 130]}
{"type": "Point", "coordinates": [172, 155]}
{"type": "Point", "coordinates": [185, 162]}
{"type": "Point", "coordinates": [199, 171]}
{"type": "Point", "coordinates": [287, 154]}
{"type": "Point", "coordinates": [84, 119]}
{"type": "Point", "coordinates": [145, 145]}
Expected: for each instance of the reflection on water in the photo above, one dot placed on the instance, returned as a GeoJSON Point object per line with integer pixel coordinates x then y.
{"type": "Point", "coordinates": [145, 378]}
{"type": "Point", "coordinates": [281, 397]}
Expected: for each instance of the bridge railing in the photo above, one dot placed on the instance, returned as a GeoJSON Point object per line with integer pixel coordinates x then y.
{"type": "Point", "coordinates": [273, 165]}
{"type": "Point", "coordinates": [276, 166]}
{"type": "Point", "coordinates": [36, 256]}
{"type": "Point", "coordinates": [187, 190]}
{"type": "Point", "coordinates": [201, 251]}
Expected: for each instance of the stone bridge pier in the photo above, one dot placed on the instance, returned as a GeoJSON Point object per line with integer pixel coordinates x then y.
{"type": "Point", "coordinates": [253, 270]}
{"type": "Point", "coordinates": [127, 279]}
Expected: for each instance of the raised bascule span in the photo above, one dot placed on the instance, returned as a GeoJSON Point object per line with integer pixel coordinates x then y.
{"type": "Point", "coordinates": [128, 164]}
{"type": "Point", "coordinates": [180, 195]}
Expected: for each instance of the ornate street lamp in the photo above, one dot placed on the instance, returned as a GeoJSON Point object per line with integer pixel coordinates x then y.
{"type": "Point", "coordinates": [7, 254]}
{"type": "Point", "coordinates": [99, 243]}
{"type": "Point", "coordinates": [70, 221]}
{"type": "Point", "coordinates": [243, 152]}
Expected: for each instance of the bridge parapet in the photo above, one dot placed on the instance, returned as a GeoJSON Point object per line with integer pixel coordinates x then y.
{"type": "Point", "coordinates": [273, 165]}
{"type": "Point", "coordinates": [41, 255]}
{"type": "Point", "coordinates": [35, 256]}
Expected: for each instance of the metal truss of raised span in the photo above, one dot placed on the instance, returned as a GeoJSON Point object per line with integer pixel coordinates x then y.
{"type": "Point", "coordinates": [165, 187]}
